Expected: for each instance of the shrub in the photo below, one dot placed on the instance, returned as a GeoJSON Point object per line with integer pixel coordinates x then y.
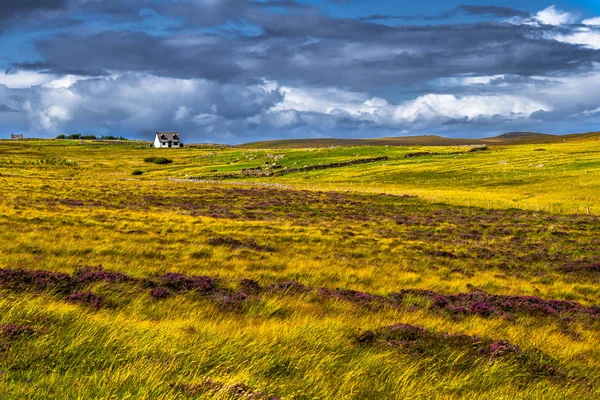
{"type": "Point", "coordinates": [137, 172]}
{"type": "Point", "coordinates": [97, 274]}
{"type": "Point", "coordinates": [479, 148]}
{"type": "Point", "coordinates": [14, 331]}
{"type": "Point", "coordinates": [22, 279]}
{"type": "Point", "coordinates": [87, 298]}
{"type": "Point", "coordinates": [159, 293]}
{"type": "Point", "coordinates": [158, 160]}
{"type": "Point", "coordinates": [250, 287]}
{"type": "Point", "coordinates": [231, 302]}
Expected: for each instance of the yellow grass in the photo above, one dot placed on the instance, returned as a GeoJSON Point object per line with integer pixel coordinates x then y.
{"type": "Point", "coordinates": [82, 207]}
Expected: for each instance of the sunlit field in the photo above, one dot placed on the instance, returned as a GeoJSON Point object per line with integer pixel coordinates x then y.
{"type": "Point", "coordinates": [448, 273]}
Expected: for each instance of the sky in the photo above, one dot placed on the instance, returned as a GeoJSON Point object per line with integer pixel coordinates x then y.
{"type": "Point", "coordinates": [233, 71]}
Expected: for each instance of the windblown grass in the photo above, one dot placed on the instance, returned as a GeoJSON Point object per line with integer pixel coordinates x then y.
{"type": "Point", "coordinates": [116, 286]}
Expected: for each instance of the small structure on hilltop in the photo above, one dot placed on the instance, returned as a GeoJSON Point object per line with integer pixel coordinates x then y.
{"type": "Point", "coordinates": [167, 139]}
{"type": "Point", "coordinates": [17, 136]}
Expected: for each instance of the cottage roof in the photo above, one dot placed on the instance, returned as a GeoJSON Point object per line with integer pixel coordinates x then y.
{"type": "Point", "coordinates": [168, 136]}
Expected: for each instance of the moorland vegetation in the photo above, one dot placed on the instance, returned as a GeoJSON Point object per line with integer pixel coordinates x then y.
{"type": "Point", "coordinates": [450, 273]}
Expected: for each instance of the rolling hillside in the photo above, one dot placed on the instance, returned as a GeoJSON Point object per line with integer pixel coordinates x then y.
{"type": "Point", "coordinates": [428, 272]}
{"type": "Point", "coordinates": [425, 140]}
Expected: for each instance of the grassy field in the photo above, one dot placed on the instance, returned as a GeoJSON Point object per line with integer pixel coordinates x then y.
{"type": "Point", "coordinates": [121, 278]}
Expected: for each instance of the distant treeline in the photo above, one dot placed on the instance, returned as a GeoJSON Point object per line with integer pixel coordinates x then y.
{"type": "Point", "coordinates": [90, 137]}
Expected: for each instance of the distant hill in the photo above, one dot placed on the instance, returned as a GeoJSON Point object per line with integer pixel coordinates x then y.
{"type": "Point", "coordinates": [522, 137]}
{"type": "Point", "coordinates": [428, 140]}
{"type": "Point", "coordinates": [589, 136]}
{"type": "Point", "coordinates": [425, 140]}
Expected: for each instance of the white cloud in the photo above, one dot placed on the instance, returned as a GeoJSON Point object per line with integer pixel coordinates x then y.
{"type": "Point", "coordinates": [64, 81]}
{"type": "Point", "coordinates": [321, 100]}
{"type": "Point", "coordinates": [591, 21]}
{"type": "Point", "coordinates": [210, 111]}
{"type": "Point", "coordinates": [583, 36]}
{"type": "Point", "coordinates": [447, 106]}
{"type": "Point", "coordinates": [549, 16]}
{"type": "Point", "coordinates": [579, 91]}
{"type": "Point", "coordinates": [431, 107]}
{"type": "Point", "coordinates": [50, 118]}
{"type": "Point", "coordinates": [553, 16]}
{"type": "Point", "coordinates": [587, 35]}
{"type": "Point", "coordinates": [142, 103]}
{"type": "Point", "coordinates": [24, 79]}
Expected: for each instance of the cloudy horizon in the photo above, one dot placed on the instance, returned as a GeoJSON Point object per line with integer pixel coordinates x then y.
{"type": "Point", "coordinates": [234, 71]}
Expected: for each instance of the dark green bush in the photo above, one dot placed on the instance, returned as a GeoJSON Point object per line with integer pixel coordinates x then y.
{"type": "Point", "coordinates": [137, 172]}
{"type": "Point", "coordinates": [158, 160]}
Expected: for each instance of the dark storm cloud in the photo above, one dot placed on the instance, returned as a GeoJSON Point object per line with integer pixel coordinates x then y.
{"type": "Point", "coordinates": [486, 11]}
{"type": "Point", "coordinates": [208, 57]}
{"type": "Point", "coordinates": [51, 14]}
{"type": "Point", "coordinates": [15, 8]}
{"type": "Point", "coordinates": [49, 68]}
{"type": "Point", "coordinates": [495, 11]}
{"type": "Point", "coordinates": [346, 53]}
{"type": "Point", "coordinates": [33, 15]}
{"type": "Point", "coordinates": [15, 13]}
{"type": "Point", "coordinates": [115, 9]}
{"type": "Point", "coordinates": [203, 13]}
{"type": "Point", "coordinates": [295, 42]}
{"type": "Point", "coordinates": [200, 66]}
{"type": "Point", "coordinates": [549, 116]}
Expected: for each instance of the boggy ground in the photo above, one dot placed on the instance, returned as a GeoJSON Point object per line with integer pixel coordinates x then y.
{"type": "Point", "coordinates": [113, 287]}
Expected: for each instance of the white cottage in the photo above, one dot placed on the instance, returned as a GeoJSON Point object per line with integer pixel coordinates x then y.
{"type": "Point", "coordinates": [167, 139]}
